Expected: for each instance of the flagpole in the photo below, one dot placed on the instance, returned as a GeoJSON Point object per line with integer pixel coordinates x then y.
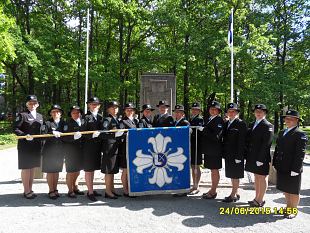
{"type": "Point", "coordinates": [86, 71]}
{"type": "Point", "coordinates": [232, 58]}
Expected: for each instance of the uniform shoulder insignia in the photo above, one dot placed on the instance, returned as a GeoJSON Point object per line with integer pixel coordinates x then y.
{"type": "Point", "coordinates": [106, 123]}
{"type": "Point", "coordinates": [304, 137]}
{"type": "Point", "coordinates": [220, 126]}
{"type": "Point", "coordinates": [18, 118]}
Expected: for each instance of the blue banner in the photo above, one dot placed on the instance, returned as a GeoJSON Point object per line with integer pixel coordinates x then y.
{"type": "Point", "coordinates": [158, 160]}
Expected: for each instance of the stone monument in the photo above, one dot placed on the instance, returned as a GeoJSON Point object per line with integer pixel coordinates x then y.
{"type": "Point", "coordinates": [156, 87]}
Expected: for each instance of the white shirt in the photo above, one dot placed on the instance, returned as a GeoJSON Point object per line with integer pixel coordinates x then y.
{"type": "Point", "coordinates": [178, 121]}
{"type": "Point", "coordinates": [34, 113]}
{"type": "Point", "coordinates": [257, 122]}
{"type": "Point", "coordinates": [231, 121]}
{"type": "Point", "coordinates": [78, 121]}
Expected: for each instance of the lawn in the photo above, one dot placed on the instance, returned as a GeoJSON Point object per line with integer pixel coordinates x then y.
{"type": "Point", "coordinates": [7, 138]}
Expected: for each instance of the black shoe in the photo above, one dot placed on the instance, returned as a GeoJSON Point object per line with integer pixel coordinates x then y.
{"type": "Point", "coordinates": [127, 195]}
{"type": "Point", "coordinates": [115, 194]}
{"type": "Point", "coordinates": [52, 197]}
{"type": "Point", "coordinates": [97, 194]}
{"type": "Point", "coordinates": [29, 195]}
{"type": "Point", "coordinates": [78, 192]}
{"type": "Point", "coordinates": [92, 197]}
{"type": "Point", "coordinates": [56, 193]}
{"type": "Point", "coordinates": [257, 204]}
{"type": "Point", "coordinates": [179, 195]}
{"type": "Point", "coordinates": [35, 195]}
{"type": "Point", "coordinates": [71, 194]}
{"type": "Point", "coordinates": [110, 197]}
{"type": "Point", "coordinates": [231, 199]}
{"type": "Point", "coordinates": [209, 196]}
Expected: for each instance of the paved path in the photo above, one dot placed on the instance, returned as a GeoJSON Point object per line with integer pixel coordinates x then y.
{"type": "Point", "coordinates": [162, 213]}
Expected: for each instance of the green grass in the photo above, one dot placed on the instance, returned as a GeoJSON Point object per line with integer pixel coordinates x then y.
{"type": "Point", "coordinates": [7, 138]}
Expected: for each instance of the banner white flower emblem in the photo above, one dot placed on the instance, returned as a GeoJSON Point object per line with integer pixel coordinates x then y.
{"type": "Point", "coordinates": [160, 160]}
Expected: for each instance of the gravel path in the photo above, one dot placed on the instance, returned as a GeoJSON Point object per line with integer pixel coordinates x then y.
{"type": "Point", "coordinates": [162, 213]}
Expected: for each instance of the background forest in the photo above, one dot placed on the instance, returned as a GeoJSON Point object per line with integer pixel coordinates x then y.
{"type": "Point", "coordinates": [43, 43]}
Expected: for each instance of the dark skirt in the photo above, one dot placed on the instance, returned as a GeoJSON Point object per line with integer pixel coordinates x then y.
{"type": "Point", "coordinates": [109, 162]}
{"type": "Point", "coordinates": [212, 162]}
{"type": "Point", "coordinates": [53, 157]}
{"type": "Point", "coordinates": [92, 155]}
{"type": "Point", "coordinates": [29, 154]}
{"type": "Point", "coordinates": [122, 161]}
{"type": "Point", "coordinates": [74, 157]}
{"type": "Point", "coordinates": [288, 184]}
{"type": "Point", "coordinates": [251, 166]}
{"type": "Point", "coordinates": [234, 170]}
{"type": "Point", "coordinates": [196, 160]}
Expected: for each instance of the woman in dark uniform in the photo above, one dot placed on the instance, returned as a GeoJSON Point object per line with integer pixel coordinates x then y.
{"type": "Point", "coordinates": [110, 148]}
{"type": "Point", "coordinates": [259, 139]}
{"type": "Point", "coordinates": [29, 150]}
{"type": "Point", "coordinates": [234, 133]}
{"type": "Point", "coordinates": [74, 150]}
{"type": "Point", "coordinates": [212, 146]}
{"type": "Point", "coordinates": [53, 152]}
{"type": "Point", "coordinates": [146, 119]}
{"type": "Point", "coordinates": [92, 145]}
{"type": "Point", "coordinates": [196, 153]}
{"type": "Point", "coordinates": [128, 122]}
{"type": "Point", "coordinates": [163, 118]}
{"type": "Point", "coordinates": [179, 115]}
{"type": "Point", "coordinates": [288, 161]}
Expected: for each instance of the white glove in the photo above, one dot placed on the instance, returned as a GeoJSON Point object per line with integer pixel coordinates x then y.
{"type": "Point", "coordinates": [258, 164]}
{"type": "Point", "coordinates": [96, 134]}
{"type": "Point", "coordinates": [56, 134]}
{"type": "Point", "coordinates": [200, 128]}
{"type": "Point", "coordinates": [29, 137]}
{"type": "Point", "coordinates": [237, 161]}
{"type": "Point", "coordinates": [77, 135]}
{"type": "Point", "coordinates": [294, 173]}
{"type": "Point", "coordinates": [119, 133]}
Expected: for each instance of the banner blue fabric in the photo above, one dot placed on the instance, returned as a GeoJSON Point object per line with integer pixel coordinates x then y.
{"type": "Point", "coordinates": [158, 160]}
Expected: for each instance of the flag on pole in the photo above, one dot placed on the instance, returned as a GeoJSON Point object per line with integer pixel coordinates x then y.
{"type": "Point", "coordinates": [230, 30]}
{"type": "Point", "coordinates": [158, 160]}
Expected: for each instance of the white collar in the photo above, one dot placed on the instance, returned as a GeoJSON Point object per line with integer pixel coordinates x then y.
{"type": "Point", "coordinates": [33, 113]}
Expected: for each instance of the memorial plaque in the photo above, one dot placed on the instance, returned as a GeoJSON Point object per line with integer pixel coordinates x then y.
{"type": "Point", "coordinates": [156, 87]}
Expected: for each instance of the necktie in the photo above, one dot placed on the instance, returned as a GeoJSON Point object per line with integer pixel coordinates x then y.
{"type": "Point", "coordinates": [255, 124]}
{"type": "Point", "coordinates": [285, 132]}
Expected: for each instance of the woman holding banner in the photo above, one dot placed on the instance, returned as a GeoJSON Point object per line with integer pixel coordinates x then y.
{"type": "Point", "coordinates": [29, 150]}
{"type": "Point", "coordinates": [128, 122]}
{"type": "Point", "coordinates": [110, 149]}
{"type": "Point", "coordinates": [53, 153]}
{"type": "Point", "coordinates": [74, 150]}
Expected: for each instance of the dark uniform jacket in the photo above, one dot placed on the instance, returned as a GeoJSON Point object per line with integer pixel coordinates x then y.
{"type": "Point", "coordinates": [54, 145]}
{"type": "Point", "coordinates": [182, 122]}
{"type": "Point", "coordinates": [234, 140]}
{"type": "Point", "coordinates": [126, 123]}
{"type": "Point", "coordinates": [165, 120]}
{"type": "Point", "coordinates": [212, 137]}
{"type": "Point", "coordinates": [145, 122]}
{"type": "Point", "coordinates": [25, 124]}
{"type": "Point", "coordinates": [290, 151]}
{"type": "Point", "coordinates": [92, 124]}
{"type": "Point", "coordinates": [196, 121]}
{"type": "Point", "coordinates": [110, 146]}
{"type": "Point", "coordinates": [73, 126]}
{"type": "Point", "coordinates": [259, 142]}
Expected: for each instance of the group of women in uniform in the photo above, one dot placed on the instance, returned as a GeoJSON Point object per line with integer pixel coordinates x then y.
{"type": "Point", "coordinates": [212, 139]}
